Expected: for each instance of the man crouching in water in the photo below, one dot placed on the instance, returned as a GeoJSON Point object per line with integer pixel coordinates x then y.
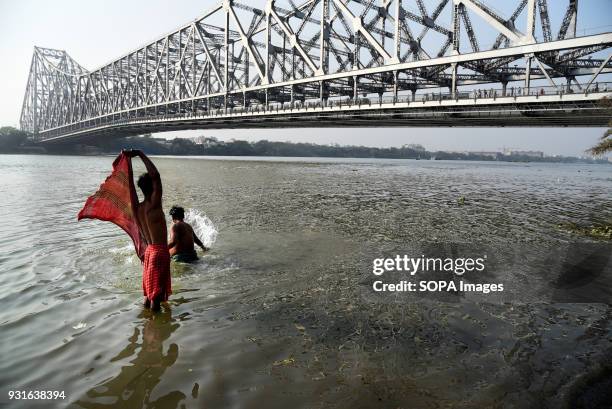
{"type": "Point", "coordinates": [156, 283]}
{"type": "Point", "coordinates": [182, 238]}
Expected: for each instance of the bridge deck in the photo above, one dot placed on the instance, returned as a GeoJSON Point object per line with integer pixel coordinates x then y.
{"type": "Point", "coordinates": [542, 108]}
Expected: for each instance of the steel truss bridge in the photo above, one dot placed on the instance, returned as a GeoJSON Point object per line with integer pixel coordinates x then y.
{"type": "Point", "coordinates": [335, 63]}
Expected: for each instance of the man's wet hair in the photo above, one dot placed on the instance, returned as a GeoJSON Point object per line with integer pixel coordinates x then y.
{"type": "Point", "coordinates": [177, 213]}
{"type": "Point", "coordinates": [145, 183]}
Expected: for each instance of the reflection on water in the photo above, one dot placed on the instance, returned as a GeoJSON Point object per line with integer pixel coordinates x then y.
{"type": "Point", "coordinates": [134, 386]}
{"type": "Point", "coordinates": [280, 314]}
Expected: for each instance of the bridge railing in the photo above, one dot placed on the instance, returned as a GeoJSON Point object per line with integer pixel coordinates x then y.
{"type": "Point", "coordinates": [485, 95]}
{"type": "Point", "coordinates": [475, 94]}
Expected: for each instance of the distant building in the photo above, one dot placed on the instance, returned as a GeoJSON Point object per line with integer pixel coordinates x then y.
{"type": "Point", "coordinates": [416, 147]}
{"type": "Point", "coordinates": [205, 140]}
{"type": "Point", "coordinates": [493, 155]}
{"type": "Point", "coordinates": [488, 154]}
{"type": "Point", "coordinates": [199, 140]}
{"type": "Point", "coordinates": [162, 141]}
{"type": "Point", "coordinates": [530, 154]}
{"type": "Point", "coordinates": [597, 157]}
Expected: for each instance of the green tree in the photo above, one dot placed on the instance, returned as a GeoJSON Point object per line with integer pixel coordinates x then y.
{"type": "Point", "coordinates": [11, 138]}
{"type": "Point", "coordinates": [605, 144]}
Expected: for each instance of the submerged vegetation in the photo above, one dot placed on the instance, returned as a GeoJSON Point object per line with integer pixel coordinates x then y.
{"type": "Point", "coordinates": [598, 231]}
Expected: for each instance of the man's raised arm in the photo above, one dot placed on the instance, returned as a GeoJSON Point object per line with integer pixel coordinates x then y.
{"type": "Point", "coordinates": [151, 169]}
{"type": "Point", "coordinates": [156, 196]}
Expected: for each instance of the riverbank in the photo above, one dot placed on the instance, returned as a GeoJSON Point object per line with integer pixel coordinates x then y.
{"type": "Point", "coordinates": [18, 142]}
{"type": "Point", "coordinates": [84, 150]}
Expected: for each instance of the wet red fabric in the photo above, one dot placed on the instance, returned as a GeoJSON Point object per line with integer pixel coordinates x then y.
{"type": "Point", "coordinates": [116, 201]}
{"type": "Point", "coordinates": [156, 282]}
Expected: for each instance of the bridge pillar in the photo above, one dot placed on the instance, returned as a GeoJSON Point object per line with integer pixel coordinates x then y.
{"type": "Point", "coordinates": [453, 90]}
{"type": "Point", "coordinates": [528, 73]}
{"type": "Point", "coordinates": [322, 92]}
{"type": "Point", "coordinates": [208, 79]}
{"type": "Point", "coordinates": [355, 87]}
{"type": "Point", "coordinates": [504, 88]}
{"type": "Point", "coordinates": [413, 92]}
{"type": "Point", "coordinates": [395, 86]}
{"type": "Point", "coordinates": [292, 95]}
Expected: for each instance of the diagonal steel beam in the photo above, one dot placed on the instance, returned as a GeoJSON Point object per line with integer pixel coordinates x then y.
{"type": "Point", "coordinates": [492, 19]}
{"type": "Point", "coordinates": [599, 70]}
{"type": "Point", "coordinates": [211, 60]}
{"type": "Point", "coordinates": [247, 43]}
{"type": "Point", "coordinates": [358, 26]}
{"type": "Point", "coordinates": [293, 40]}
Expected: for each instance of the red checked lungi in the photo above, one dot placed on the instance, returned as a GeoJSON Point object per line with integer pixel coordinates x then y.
{"type": "Point", "coordinates": [156, 273]}
{"type": "Point", "coordinates": [116, 201]}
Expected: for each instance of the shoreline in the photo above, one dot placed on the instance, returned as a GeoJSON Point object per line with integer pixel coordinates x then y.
{"type": "Point", "coordinates": [264, 158]}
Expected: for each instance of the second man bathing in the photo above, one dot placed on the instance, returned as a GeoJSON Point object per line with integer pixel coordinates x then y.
{"type": "Point", "coordinates": [182, 238]}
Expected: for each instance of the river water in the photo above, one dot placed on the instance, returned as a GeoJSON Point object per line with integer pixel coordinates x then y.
{"type": "Point", "coordinates": [281, 313]}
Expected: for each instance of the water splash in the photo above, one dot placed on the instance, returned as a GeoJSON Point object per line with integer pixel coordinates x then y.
{"type": "Point", "coordinates": [202, 226]}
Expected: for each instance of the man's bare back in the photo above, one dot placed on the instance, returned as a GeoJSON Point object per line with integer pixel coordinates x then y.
{"type": "Point", "coordinates": [182, 234]}
{"type": "Point", "coordinates": [149, 212]}
{"type": "Point", "coordinates": [182, 238]}
{"type": "Point", "coordinates": [152, 222]}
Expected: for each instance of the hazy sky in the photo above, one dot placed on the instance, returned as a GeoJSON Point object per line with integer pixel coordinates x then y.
{"type": "Point", "coordinates": [96, 32]}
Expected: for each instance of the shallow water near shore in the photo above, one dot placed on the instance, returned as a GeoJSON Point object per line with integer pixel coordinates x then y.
{"type": "Point", "coordinates": [280, 313]}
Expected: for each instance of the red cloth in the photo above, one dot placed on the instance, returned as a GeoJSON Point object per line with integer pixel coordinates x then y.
{"type": "Point", "coordinates": [156, 282]}
{"type": "Point", "coordinates": [116, 201]}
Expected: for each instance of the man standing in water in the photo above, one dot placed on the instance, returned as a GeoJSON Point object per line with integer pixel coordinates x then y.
{"type": "Point", "coordinates": [156, 283]}
{"type": "Point", "coordinates": [182, 238]}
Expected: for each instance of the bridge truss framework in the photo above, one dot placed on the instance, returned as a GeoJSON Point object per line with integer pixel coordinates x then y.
{"type": "Point", "coordinates": [320, 62]}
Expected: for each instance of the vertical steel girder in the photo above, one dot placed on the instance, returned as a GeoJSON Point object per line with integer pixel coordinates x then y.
{"type": "Point", "coordinates": [237, 54]}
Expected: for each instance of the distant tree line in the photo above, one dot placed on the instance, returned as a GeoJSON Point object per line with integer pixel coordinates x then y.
{"type": "Point", "coordinates": [214, 147]}
{"type": "Point", "coordinates": [13, 140]}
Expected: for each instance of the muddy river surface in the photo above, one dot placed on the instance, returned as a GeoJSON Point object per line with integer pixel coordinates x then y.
{"type": "Point", "coordinates": [281, 312]}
